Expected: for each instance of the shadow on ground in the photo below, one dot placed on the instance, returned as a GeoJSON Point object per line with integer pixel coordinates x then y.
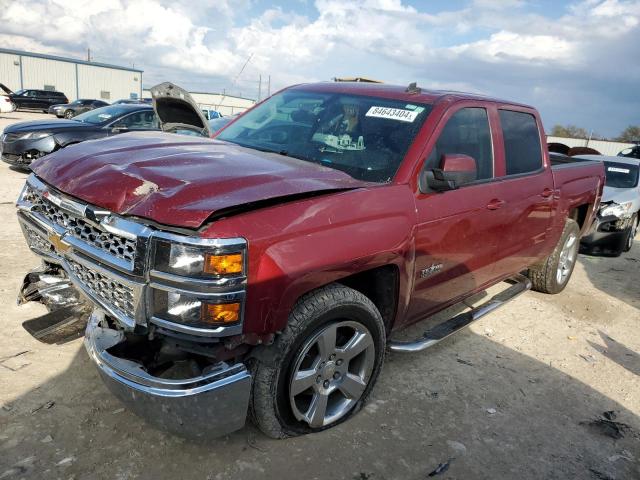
{"type": "Point", "coordinates": [427, 409]}
{"type": "Point", "coordinates": [616, 276]}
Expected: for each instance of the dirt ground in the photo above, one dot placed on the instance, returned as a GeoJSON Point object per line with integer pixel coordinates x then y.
{"type": "Point", "coordinates": [517, 395]}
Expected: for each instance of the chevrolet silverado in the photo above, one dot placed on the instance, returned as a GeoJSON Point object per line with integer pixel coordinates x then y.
{"type": "Point", "coordinates": [264, 272]}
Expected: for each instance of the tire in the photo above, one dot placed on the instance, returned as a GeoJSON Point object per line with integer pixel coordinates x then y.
{"type": "Point", "coordinates": [633, 231]}
{"type": "Point", "coordinates": [68, 114]}
{"type": "Point", "coordinates": [14, 107]}
{"type": "Point", "coordinates": [547, 276]}
{"type": "Point", "coordinates": [275, 407]}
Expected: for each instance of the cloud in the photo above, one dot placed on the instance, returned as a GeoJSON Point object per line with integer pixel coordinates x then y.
{"type": "Point", "coordinates": [577, 61]}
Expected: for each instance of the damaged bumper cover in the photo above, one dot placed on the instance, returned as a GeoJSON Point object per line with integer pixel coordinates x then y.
{"type": "Point", "coordinates": [608, 236]}
{"type": "Point", "coordinates": [211, 404]}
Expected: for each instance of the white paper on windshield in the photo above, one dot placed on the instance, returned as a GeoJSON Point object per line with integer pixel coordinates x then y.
{"type": "Point", "coordinates": [392, 113]}
{"type": "Point", "coordinates": [619, 170]}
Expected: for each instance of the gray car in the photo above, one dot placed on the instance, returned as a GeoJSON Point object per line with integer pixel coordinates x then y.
{"type": "Point", "coordinates": [616, 225]}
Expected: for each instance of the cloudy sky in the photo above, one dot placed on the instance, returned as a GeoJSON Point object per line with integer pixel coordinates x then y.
{"type": "Point", "coordinates": [577, 61]}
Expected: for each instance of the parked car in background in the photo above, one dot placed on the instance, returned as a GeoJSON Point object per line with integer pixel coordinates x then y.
{"type": "Point", "coordinates": [616, 225]}
{"type": "Point", "coordinates": [37, 99]}
{"type": "Point", "coordinates": [633, 152]}
{"type": "Point", "coordinates": [265, 270]}
{"type": "Point", "coordinates": [23, 142]}
{"type": "Point", "coordinates": [70, 110]}
{"type": "Point", "coordinates": [6, 105]}
{"type": "Point", "coordinates": [219, 123]}
{"type": "Point", "coordinates": [132, 101]}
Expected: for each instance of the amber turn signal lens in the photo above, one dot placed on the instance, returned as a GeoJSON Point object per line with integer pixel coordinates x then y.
{"type": "Point", "coordinates": [220, 313]}
{"type": "Point", "coordinates": [223, 264]}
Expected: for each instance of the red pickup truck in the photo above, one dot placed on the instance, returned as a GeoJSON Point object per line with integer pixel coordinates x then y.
{"type": "Point", "coordinates": [265, 271]}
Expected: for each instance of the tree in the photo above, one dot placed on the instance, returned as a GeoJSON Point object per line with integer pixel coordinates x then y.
{"type": "Point", "coordinates": [630, 134]}
{"type": "Point", "coordinates": [570, 131]}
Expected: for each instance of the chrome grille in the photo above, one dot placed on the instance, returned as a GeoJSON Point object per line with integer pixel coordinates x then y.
{"type": "Point", "coordinates": [37, 242]}
{"type": "Point", "coordinates": [109, 290]}
{"type": "Point", "coordinates": [81, 229]}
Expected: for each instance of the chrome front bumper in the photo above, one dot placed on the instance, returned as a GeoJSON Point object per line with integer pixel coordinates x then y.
{"type": "Point", "coordinates": [212, 404]}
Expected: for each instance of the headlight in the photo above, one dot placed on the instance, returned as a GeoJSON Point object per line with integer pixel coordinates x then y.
{"type": "Point", "coordinates": [199, 261]}
{"type": "Point", "coordinates": [193, 310]}
{"type": "Point", "coordinates": [34, 135]}
{"type": "Point", "coordinates": [620, 210]}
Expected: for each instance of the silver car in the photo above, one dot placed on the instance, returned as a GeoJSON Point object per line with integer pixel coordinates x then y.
{"type": "Point", "coordinates": [616, 225]}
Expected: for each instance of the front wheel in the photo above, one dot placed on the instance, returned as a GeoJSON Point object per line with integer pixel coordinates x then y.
{"type": "Point", "coordinates": [321, 369]}
{"type": "Point", "coordinates": [68, 114]}
{"type": "Point", "coordinates": [553, 274]}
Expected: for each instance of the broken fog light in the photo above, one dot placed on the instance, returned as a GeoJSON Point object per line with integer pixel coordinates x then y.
{"type": "Point", "coordinates": [197, 261]}
{"type": "Point", "coordinates": [619, 210]}
{"type": "Point", "coordinates": [190, 310]}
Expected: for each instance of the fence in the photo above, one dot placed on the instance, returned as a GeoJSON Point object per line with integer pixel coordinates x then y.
{"type": "Point", "coordinates": [603, 146]}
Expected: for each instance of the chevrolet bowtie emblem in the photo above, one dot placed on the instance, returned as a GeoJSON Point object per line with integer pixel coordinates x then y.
{"type": "Point", "coordinates": [58, 243]}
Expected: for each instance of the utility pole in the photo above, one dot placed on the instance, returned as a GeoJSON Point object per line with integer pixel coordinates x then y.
{"type": "Point", "coordinates": [269, 87]}
{"type": "Point", "coordinates": [260, 88]}
{"type": "Point", "coordinates": [88, 54]}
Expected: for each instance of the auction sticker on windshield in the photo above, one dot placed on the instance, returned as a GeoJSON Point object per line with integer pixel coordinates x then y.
{"type": "Point", "coordinates": [618, 170]}
{"type": "Point", "coordinates": [392, 113]}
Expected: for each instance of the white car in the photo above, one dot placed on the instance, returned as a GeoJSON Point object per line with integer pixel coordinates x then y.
{"type": "Point", "coordinates": [6, 105]}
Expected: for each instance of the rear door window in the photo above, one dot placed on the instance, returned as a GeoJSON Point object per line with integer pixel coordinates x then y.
{"type": "Point", "coordinates": [466, 132]}
{"type": "Point", "coordinates": [522, 150]}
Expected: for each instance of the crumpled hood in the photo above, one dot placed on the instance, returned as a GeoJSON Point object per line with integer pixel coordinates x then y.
{"type": "Point", "coordinates": [179, 180]}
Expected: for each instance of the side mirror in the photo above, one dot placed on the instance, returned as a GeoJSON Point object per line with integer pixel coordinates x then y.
{"type": "Point", "coordinates": [455, 170]}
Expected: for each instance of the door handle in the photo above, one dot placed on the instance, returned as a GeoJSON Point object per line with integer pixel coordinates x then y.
{"type": "Point", "coordinates": [546, 193]}
{"type": "Point", "coordinates": [495, 204]}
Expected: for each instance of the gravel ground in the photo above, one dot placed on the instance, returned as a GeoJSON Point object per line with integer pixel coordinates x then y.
{"type": "Point", "coordinates": [517, 395]}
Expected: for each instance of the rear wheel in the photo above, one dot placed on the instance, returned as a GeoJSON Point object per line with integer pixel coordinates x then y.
{"type": "Point", "coordinates": [553, 275]}
{"type": "Point", "coordinates": [633, 231]}
{"type": "Point", "coordinates": [321, 369]}
{"type": "Point", "coordinates": [68, 114]}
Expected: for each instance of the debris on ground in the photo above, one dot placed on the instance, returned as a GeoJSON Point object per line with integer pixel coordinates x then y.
{"type": "Point", "coordinates": [606, 425]}
{"type": "Point", "coordinates": [45, 406]}
{"type": "Point", "coordinates": [464, 362]}
{"type": "Point", "coordinates": [441, 468]}
{"type": "Point", "coordinates": [588, 358]}
{"type": "Point", "coordinates": [457, 447]}
{"type": "Point", "coordinates": [47, 439]}
{"type": "Point", "coordinates": [66, 461]}
{"type": "Point", "coordinates": [491, 411]}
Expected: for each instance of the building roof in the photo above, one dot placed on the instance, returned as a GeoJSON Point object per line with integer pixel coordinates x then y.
{"type": "Point", "coordinates": [66, 59]}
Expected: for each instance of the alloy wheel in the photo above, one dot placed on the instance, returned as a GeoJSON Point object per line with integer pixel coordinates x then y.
{"type": "Point", "coordinates": [331, 372]}
{"type": "Point", "coordinates": [567, 258]}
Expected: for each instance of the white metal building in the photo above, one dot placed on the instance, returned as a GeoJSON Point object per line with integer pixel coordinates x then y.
{"type": "Point", "coordinates": [225, 104]}
{"type": "Point", "coordinates": [75, 78]}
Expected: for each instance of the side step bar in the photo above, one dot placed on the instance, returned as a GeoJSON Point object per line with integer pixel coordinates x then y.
{"type": "Point", "coordinates": [519, 285]}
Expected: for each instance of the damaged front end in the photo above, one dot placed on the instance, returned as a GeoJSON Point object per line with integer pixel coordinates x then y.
{"type": "Point", "coordinates": [67, 311]}
{"type": "Point", "coordinates": [159, 331]}
{"type": "Point", "coordinates": [610, 230]}
{"type": "Point", "coordinates": [189, 394]}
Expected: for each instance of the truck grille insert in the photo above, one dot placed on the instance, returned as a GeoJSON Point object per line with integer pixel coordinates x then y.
{"type": "Point", "coordinates": [109, 290]}
{"type": "Point", "coordinates": [37, 242]}
{"type": "Point", "coordinates": [81, 229]}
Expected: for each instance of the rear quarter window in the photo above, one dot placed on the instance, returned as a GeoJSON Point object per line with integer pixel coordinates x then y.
{"type": "Point", "coordinates": [522, 149]}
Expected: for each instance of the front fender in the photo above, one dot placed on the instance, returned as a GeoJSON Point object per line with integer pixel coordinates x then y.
{"type": "Point", "coordinates": [300, 246]}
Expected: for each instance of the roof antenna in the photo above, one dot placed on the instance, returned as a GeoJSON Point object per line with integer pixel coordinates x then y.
{"type": "Point", "coordinates": [413, 88]}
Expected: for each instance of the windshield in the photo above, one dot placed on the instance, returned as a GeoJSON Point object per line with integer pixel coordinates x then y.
{"type": "Point", "coordinates": [621, 175]}
{"type": "Point", "coordinates": [365, 137]}
{"type": "Point", "coordinates": [103, 114]}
